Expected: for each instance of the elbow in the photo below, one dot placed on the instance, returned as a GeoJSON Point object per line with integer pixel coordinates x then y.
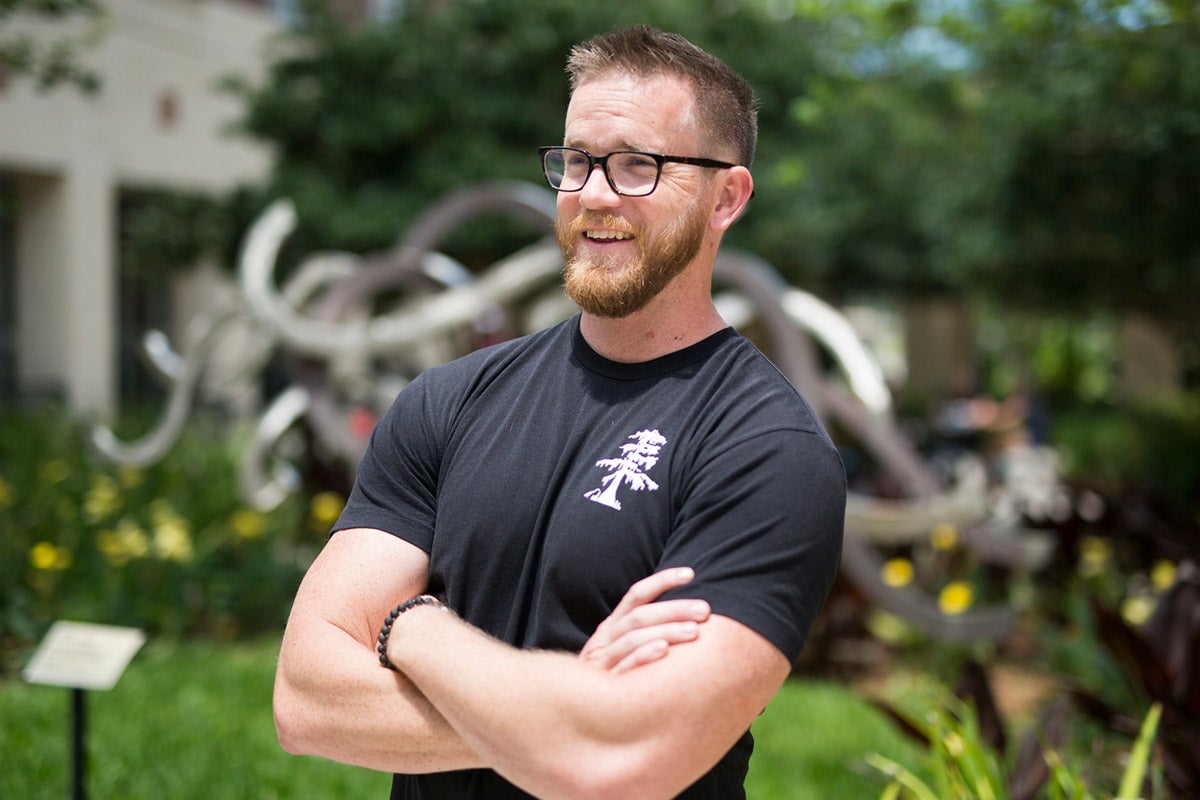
{"type": "Point", "coordinates": [287, 732]}
{"type": "Point", "coordinates": [290, 729]}
{"type": "Point", "coordinates": [616, 775]}
{"type": "Point", "coordinates": [288, 736]}
{"type": "Point", "coordinates": [613, 758]}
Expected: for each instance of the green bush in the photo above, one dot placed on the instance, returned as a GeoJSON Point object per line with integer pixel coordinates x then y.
{"type": "Point", "coordinates": [1149, 446]}
{"type": "Point", "coordinates": [963, 764]}
{"type": "Point", "coordinates": [169, 548]}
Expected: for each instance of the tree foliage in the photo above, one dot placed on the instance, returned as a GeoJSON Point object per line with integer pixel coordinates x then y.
{"type": "Point", "coordinates": [52, 63]}
{"type": "Point", "coordinates": [1100, 199]}
{"type": "Point", "coordinates": [374, 123]}
{"type": "Point", "coordinates": [1043, 152]}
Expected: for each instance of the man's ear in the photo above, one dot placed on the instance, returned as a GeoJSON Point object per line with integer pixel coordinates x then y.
{"type": "Point", "coordinates": [734, 192]}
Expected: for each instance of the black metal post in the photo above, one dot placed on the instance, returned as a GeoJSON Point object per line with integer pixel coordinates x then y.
{"type": "Point", "coordinates": [78, 747]}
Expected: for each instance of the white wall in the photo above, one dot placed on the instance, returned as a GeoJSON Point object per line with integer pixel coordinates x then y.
{"type": "Point", "coordinates": [160, 121]}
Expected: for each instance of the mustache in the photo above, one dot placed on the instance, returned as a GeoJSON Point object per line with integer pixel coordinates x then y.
{"type": "Point", "coordinates": [595, 219]}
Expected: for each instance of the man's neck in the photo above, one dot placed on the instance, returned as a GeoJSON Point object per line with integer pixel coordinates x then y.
{"type": "Point", "coordinates": [654, 331]}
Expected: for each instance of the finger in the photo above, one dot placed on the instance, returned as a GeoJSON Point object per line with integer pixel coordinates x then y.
{"type": "Point", "coordinates": [621, 649]}
{"type": "Point", "coordinates": [655, 614]}
{"type": "Point", "coordinates": [646, 654]}
{"type": "Point", "coordinates": [651, 587]}
{"type": "Point", "coordinates": [637, 609]}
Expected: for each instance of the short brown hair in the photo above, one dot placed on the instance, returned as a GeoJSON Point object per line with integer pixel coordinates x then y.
{"type": "Point", "coordinates": [725, 103]}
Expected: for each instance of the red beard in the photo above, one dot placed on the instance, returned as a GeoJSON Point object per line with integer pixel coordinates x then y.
{"type": "Point", "coordinates": [615, 286]}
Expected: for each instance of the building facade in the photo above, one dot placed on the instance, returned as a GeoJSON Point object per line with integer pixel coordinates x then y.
{"type": "Point", "coordinates": [159, 121]}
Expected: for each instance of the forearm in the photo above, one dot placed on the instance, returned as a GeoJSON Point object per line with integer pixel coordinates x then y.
{"type": "Point", "coordinates": [332, 699]}
{"type": "Point", "coordinates": [559, 728]}
{"type": "Point", "coordinates": [524, 727]}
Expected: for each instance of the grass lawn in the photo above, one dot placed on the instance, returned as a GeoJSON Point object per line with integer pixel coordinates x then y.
{"type": "Point", "coordinates": [194, 721]}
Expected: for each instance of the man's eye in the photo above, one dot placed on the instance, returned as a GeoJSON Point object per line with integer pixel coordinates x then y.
{"type": "Point", "coordinates": [638, 167]}
{"type": "Point", "coordinates": [640, 162]}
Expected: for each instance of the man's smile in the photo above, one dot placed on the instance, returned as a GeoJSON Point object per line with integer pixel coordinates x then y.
{"type": "Point", "coordinates": [607, 236]}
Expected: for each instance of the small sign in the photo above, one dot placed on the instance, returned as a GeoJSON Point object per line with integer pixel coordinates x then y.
{"type": "Point", "coordinates": [82, 655]}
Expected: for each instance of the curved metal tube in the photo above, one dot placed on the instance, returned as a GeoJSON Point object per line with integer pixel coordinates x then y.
{"type": "Point", "coordinates": [863, 566]}
{"type": "Point", "coordinates": [791, 350]}
{"type": "Point", "coordinates": [831, 328]}
{"type": "Point", "coordinates": [161, 357]}
{"type": "Point", "coordinates": [263, 488]}
{"type": "Point", "coordinates": [515, 198]}
{"type": "Point", "coordinates": [405, 327]}
{"type": "Point", "coordinates": [154, 445]}
{"type": "Point", "coordinates": [891, 522]}
{"type": "Point", "coordinates": [794, 353]}
{"type": "Point", "coordinates": [309, 337]}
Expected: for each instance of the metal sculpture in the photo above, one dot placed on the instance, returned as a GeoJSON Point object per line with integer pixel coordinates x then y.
{"type": "Point", "coordinates": [351, 357]}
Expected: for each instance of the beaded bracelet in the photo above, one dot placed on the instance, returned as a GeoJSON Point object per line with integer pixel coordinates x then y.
{"type": "Point", "coordinates": [386, 630]}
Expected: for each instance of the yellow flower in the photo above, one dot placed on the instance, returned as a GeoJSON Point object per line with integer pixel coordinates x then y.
{"type": "Point", "coordinates": [1137, 609]}
{"type": "Point", "coordinates": [47, 557]}
{"type": "Point", "coordinates": [955, 598]}
{"type": "Point", "coordinates": [324, 510]}
{"type": "Point", "coordinates": [888, 628]}
{"type": "Point", "coordinates": [103, 498]}
{"type": "Point", "coordinates": [8, 495]}
{"type": "Point", "coordinates": [42, 556]}
{"type": "Point", "coordinates": [108, 543]}
{"type": "Point", "coordinates": [1094, 555]}
{"type": "Point", "coordinates": [944, 536]}
{"type": "Point", "coordinates": [172, 536]}
{"type": "Point", "coordinates": [248, 524]}
{"type": "Point", "coordinates": [1162, 576]}
{"type": "Point", "coordinates": [172, 542]}
{"type": "Point", "coordinates": [127, 542]}
{"type": "Point", "coordinates": [897, 572]}
{"type": "Point", "coordinates": [161, 510]}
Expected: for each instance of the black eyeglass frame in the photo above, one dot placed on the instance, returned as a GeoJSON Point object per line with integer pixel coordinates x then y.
{"type": "Point", "coordinates": [602, 162]}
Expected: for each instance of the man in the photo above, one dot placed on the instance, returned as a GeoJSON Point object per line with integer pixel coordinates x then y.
{"type": "Point", "coordinates": [632, 516]}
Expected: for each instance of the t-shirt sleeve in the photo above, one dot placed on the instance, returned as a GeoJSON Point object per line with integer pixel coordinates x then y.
{"type": "Point", "coordinates": [762, 524]}
{"type": "Point", "coordinates": [395, 488]}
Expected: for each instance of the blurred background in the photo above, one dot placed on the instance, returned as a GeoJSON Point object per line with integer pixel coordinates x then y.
{"type": "Point", "coordinates": [979, 219]}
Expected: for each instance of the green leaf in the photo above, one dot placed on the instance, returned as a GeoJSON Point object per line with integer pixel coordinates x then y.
{"type": "Point", "coordinates": [1135, 772]}
{"type": "Point", "coordinates": [898, 773]}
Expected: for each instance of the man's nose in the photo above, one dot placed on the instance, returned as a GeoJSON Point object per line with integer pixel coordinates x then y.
{"type": "Point", "coordinates": [596, 191]}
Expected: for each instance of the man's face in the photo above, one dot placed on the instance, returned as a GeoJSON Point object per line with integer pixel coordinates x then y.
{"type": "Point", "coordinates": [621, 252]}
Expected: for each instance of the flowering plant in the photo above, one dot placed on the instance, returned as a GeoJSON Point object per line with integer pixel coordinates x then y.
{"type": "Point", "coordinates": [169, 548]}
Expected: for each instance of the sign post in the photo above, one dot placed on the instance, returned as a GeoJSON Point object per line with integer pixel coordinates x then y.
{"type": "Point", "coordinates": [81, 656]}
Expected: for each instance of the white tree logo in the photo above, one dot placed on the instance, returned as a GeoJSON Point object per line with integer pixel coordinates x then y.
{"type": "Point", "coordinates": [636, 459]}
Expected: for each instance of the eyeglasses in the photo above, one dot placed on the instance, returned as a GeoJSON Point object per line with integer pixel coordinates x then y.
{"type": "Point", "coordinates": [629, 172]}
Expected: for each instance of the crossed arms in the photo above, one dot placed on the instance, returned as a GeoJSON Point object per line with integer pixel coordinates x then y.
{"type": "Point", "coordinates": [660, 692]}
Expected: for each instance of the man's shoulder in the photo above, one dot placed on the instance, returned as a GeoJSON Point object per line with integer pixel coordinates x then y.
{"type": "Point", "coordinates": [752, 382]}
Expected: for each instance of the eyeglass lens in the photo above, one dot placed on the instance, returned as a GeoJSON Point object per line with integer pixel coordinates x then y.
{"type": "Point", "coordinates": [630, 173]}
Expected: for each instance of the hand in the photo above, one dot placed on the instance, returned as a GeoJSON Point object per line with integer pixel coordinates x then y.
{"type": "Point", "coordinates": [639, 630]}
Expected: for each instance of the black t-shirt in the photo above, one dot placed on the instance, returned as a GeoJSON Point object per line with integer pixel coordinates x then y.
{"type": "Point", "coordinates": [544, 480]}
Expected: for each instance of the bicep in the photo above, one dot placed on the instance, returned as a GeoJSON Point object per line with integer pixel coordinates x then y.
{"type": "Point", "coordinates": [762, 527]}
{"type": "Point", "coordinates": [331, 697]}
{"type": "Point", "coordinates": [699, 700]}
{"type": "Point", "coordinates": [726, 677]}
{"type": "Point", "coordinates": [356, 579]}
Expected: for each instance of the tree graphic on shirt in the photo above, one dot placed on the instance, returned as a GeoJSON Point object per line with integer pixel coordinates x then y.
{"type": "Point", "coordinates": [630, 469]}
